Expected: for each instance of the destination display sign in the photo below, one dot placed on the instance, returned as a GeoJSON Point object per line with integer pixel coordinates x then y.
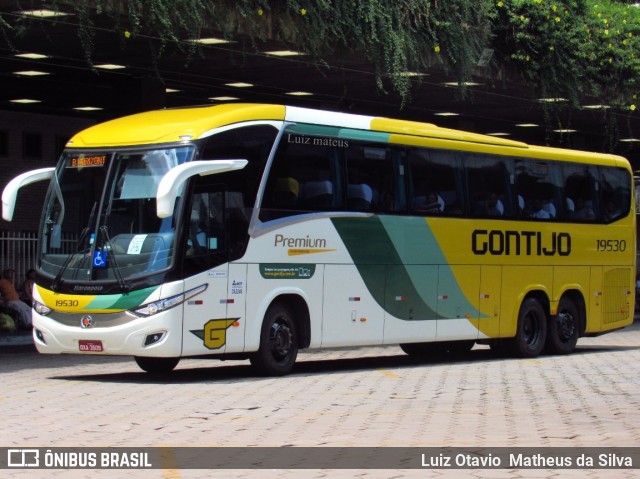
{"type": "Point", "coordinates": [86, 161]}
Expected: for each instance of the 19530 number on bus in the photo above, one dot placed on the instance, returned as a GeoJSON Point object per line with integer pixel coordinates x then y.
{"type": "Point", "coordinates": [67, 303]}
{"type": "Point", "coordinates": [611, 245]}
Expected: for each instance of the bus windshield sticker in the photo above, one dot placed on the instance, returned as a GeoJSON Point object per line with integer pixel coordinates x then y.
{"type": "Point", "coordinates": [99, 259]}
{"type": "Point", "coordinates": [135, 247]}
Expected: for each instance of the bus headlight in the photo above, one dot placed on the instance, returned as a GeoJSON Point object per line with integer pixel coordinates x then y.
{"type": "Point", "coordinates": [41, 308]}
{"type": "Point", "coordinates": [156, 307]}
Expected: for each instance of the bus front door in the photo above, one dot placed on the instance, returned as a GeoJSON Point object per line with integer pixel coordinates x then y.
{"type": "Point", "coordinates": [205, 323]}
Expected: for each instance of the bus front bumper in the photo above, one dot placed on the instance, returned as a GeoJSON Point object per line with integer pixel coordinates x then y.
{"type": "Point", "coordinates": [158, 336]}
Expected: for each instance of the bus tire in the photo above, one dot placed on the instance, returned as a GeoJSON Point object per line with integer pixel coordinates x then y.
{"type": "Point", "coordinates": [156, 365]}
{"type": "Point", "coordinates": [564, 328]}
{"type": "Point", "coordinates": [531, 332]}
{"type": "Point", "coordinates": [278, 342]}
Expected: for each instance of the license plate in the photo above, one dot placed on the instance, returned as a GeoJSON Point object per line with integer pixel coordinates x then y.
{"type": "Point", "coordinates": [90, 346]}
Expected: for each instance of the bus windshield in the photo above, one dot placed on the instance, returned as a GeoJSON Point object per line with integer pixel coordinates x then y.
{"type": "Point", "coordinates": [100, 219]}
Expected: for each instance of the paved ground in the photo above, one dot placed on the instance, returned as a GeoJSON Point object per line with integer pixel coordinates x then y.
{"type": "Point", "coordinates": [345, 398]}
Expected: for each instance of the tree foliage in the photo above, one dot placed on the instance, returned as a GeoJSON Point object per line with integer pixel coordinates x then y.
{"type": "Point", "coordinates": [568, 48]}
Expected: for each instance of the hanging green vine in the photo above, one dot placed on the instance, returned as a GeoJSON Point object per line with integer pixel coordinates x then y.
{"type": "Point", "coordinates": [572, 48]}
{"type": "Point", "coordinates": [568, 48]}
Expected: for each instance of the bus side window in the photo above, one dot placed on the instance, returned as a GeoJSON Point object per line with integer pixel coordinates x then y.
{"type": "Point", "coordinates": [371, 178]}
{"type": "Point", "coordinates": [581, 190]}
{"type": "Point", "coordinates": [435, 182]}
{"type": "Point", "coordinates": [302, 178]}
{"type": "Point", "coordinates": [538, 189]}
{"type": "Point", "coordinates": [616, 193]}
{"type": "Point", "coordinates": [488, 186]}
{"type": "Point", "coordinates": [206, 232]}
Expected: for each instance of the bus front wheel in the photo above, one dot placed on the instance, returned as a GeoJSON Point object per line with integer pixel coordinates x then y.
{"type": "Point", "coordinates": [156, 365]}
{"type": "Point", "coordinates": [564, 328]}
{"type": "Point", "coordinates": [531, 331]}
{"type": "Point", "coordinates": [278, 342]}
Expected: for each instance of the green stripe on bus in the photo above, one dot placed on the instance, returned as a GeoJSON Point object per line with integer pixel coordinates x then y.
{"type": "Point", "coordinates": [369, 245]}
{"type": "Point", "coordinates": [342, 133]}
{"type": "Point", "coordinates": [416, 245]}
{"type": "Point", "coordinates": [414, 266]}
{"type": "Point", "coordinates": [122, 301]}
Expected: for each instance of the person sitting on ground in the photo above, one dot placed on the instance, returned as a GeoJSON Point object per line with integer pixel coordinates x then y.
{"type": "Point", "coordinates": [11, 298]}
{"type": "Point", "coordinates": [27, 287]}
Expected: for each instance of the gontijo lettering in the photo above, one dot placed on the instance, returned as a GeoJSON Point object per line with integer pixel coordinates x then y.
{"type": "Point", "coordinates": [527, 243]}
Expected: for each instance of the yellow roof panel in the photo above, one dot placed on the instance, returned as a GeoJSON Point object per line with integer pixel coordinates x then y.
{"type": "Point", "coordinates": [429, 130]}
{"type": "Point", "coordinates": [169, 125]}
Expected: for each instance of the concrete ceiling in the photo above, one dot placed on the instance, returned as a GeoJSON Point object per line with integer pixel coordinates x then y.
{"type": "Point", "coordinates": [497, 104]}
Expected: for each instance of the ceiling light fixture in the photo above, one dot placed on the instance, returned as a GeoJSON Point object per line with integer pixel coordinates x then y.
{"type": "Point", "coordinates": [462, 83]}
{"type": "Point", "coordinates": [553, 100]}
{"type": "Point", "coordinates": [239, 85]}
{"type": "Point", "coordinates": [42, 13]}
{"type": "Point", "coordinates": [210, 41]}
{"type": "Point", "coordinates": [565, 130]}
{"type": "Point", "coordinates": [446, 113]}
{"type": "Point", "coordinates": [527, 125]}
{"type": "Point", "coordinates": [498, 133]}
{"type": "Point", "coordinates": [32, 56]}
{"type": "Point", "coordinates": [110, 66]}
{"type": "Point", "coordinates": [223, 98]}
{"type": "Point", "coordinates": [410, 74]}
{"type": "Point", "coordinates": [25, 100]}
{"type": "Point", "coordinates": [299, 93]}
{"type": "Point", "coordinates": [171, 90]}
{"type": "Point", "coordinates": [283, 53]}
{"type": "Point", "coordinates": [629, 140]}
{"type": "Point", "coordinates": [595, 107]}
{"type": "Point", "coordinates": [31, 73]}
{"type": "Point", "coordinates": [87, 108]}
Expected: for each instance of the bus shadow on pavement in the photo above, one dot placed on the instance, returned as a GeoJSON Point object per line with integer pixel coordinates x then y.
{"type": "Point", "coordinates": [212, 370]}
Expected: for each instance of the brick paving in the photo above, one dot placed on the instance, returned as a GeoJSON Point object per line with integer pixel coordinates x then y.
{"type": "Point", "coordinates": [341, 398]}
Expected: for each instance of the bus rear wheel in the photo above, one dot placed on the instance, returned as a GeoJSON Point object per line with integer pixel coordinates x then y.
{"type": "Point", "coordinates": [564, 329]}
{"type": "Point", "coordinates": [156, 365]}
{"type": "Point", "coordinates": [531, 332]}
{"type": "Point", "coordinates": [278, 342]}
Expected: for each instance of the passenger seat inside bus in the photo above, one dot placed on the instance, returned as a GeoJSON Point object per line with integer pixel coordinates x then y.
{"type": "Point", "coordinates": [317, 194]}
{"type": "Point", "coordinates": [286, 192]}
{"type": "Point", "coordinates": [359, 197]}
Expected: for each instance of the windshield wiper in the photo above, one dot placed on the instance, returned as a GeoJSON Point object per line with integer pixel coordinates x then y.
{"type": "Point", "coordinates": [78, 250]}
{"type": "Point", "coordinates": [116, 269]}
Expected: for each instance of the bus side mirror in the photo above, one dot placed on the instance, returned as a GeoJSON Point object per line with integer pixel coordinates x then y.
{"type": "Point", "coordinates": [175, 177]}
{"type": "Point", "coordinates": [10, 192]}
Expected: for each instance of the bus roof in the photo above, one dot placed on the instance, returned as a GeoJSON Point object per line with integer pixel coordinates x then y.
{"type": "Point", "coordinates": [171, 125]}
{"type": "Point", "coordinates": [180, 124]}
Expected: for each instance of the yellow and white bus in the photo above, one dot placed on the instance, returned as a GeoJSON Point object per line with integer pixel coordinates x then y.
{"type": "Point", "coordinates": [253, 231]}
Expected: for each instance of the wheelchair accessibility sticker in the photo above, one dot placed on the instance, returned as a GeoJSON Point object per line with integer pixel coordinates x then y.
{"type": "Point", "coordinates": [99, 259]}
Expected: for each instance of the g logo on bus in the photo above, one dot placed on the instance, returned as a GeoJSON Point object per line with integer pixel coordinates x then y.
{"type": "Point", "coordinates": [86, 321]}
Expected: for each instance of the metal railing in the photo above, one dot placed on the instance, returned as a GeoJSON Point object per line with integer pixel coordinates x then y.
{"type": "Point", "coordinates": [18, 251]}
